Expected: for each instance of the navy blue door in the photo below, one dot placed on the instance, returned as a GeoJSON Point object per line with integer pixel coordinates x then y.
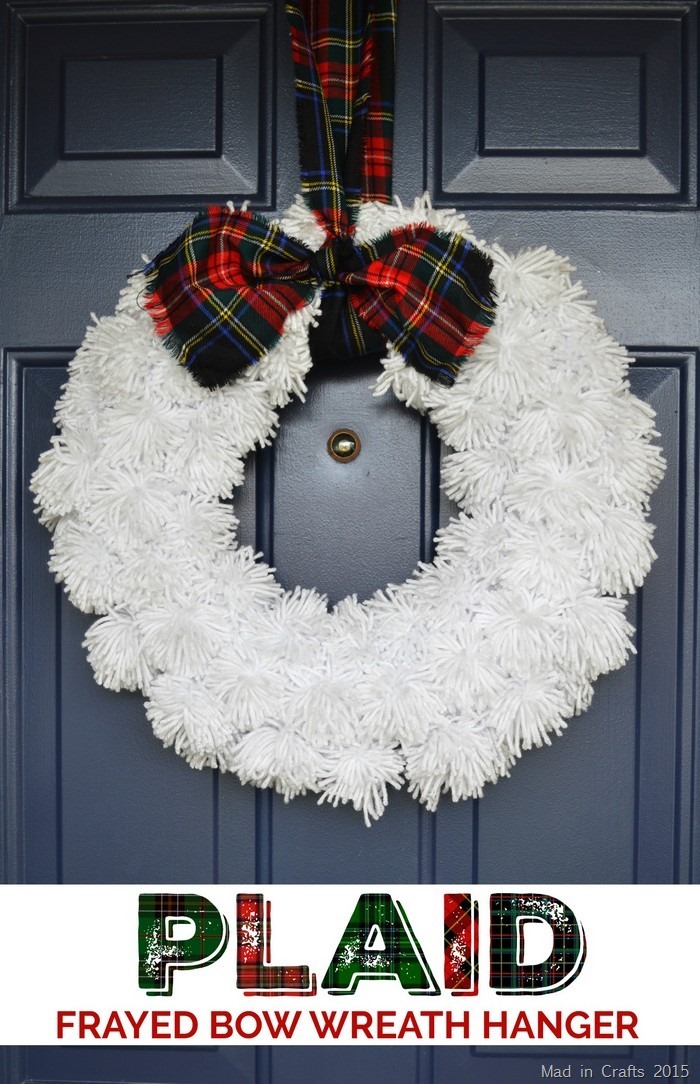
{"type": "Point", "coordinates": [568, 125]}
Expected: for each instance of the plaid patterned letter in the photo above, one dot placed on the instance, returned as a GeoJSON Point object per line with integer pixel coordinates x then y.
{"type": "Point", "coordinates": [253, 971]}
{"type": "Point", "coordinates": [461, 944]}
{"type": "Point", "coordinates": [509, 916]}
{"type": "Point", "coordinates": [176, 932]}
{"type": "Point", "coordinates": [379, 943]}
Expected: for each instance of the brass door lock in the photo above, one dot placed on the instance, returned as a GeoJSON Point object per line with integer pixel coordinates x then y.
{"type": "Point", "coordinates": [344, 445]}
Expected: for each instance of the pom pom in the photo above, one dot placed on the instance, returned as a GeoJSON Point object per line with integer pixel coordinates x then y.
{"type": "Point", "coordinates": [116, 653]}
{"type": "Point", "coordinates": [467, 422]}
{"type": "Point", "coordinates": [252, 692]}
{"type": "Point", "coordinates": [322, 712]}
{"type": "Point", "coordinates": [553, 492]}
{"type": "Point", "coordinates": [477, 479]}
{"type": "Point", "coordinates": [465, 666]}
{"type": "Point", "coordinates": [83, 559]}
{"type": "Point", "coordinates": [533, 276]}
{"type": "Point", "coordinates": [595, 637]}
{"type": "Point", "coordinates": [520, 629]}
{"type": "Point", "coordinates": [142, 432]}
{"type": "Point", "coordinates": [395, 706]}
{"type": "Point", "coordinates": [278, 757]}
{"type": "Point", "coordinates": [527, 710]}
{"type": "Point", "coordinates": [61, 481]}
{"type": "Point", "coordinates": [568, 422]}
{"type": "Point", "coordinates": [206, 527]}
{"type": "Point", "coordinates": [244, 582]}
{"type": "Point", "coordinates": [292, 627]}
{"type": "Point", "coordinates": [457, 758]}
{"type": "Point", "coordinates": [361, 775]}
{"type": "Point", "coordinates": [132, 506]}
{"type": "Point", "coordinates": [541, 560]}
{"type": "Point", "coordinates": [617, 552]}
{"type": "Point", "coordinates": [184, 713]}
{"type": "Point", "coordinates": [182, 636]}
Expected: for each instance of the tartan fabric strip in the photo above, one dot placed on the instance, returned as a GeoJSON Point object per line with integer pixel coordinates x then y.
{"type": "Point", "coordinates": [343, 53]}
{"type": "Point", "coordinates": [379, 126]}
{"type": "Point", "coordinates": [220, 294]}
{"type": "Point", "coordinates": [429, 293]}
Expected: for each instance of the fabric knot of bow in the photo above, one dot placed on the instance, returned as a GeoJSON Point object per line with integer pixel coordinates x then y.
{"type": "Point", "coordinates": [337, 258]}
{"type": "Point", "coordinates": [221, 292]}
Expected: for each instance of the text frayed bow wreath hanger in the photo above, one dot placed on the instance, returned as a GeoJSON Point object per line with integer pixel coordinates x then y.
{"type": "Point", "coordinates": [442, 681]}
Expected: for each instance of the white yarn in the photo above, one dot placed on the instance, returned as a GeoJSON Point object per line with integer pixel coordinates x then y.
{"type": "Point", "coordinates": [275, 756]}
{"type": "Point", "coordinates": [360, 775]}
{"type": "Point", "coordinates": [117, 653]}
{"type": "Point", "coordinates": [442, 681]}
{"type": "Point", "coordinates": [457, 758]}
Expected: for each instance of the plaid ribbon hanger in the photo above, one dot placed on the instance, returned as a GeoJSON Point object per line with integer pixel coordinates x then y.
{"type": "Point", "coordinates": [221, 292]}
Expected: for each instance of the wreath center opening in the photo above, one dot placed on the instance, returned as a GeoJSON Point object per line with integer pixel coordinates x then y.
{"type": "Point", "coordinates": [344, 528]}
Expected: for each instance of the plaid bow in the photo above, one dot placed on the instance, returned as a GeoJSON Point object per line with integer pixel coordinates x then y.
{"type": "Point", "coordinates": [221, 292]}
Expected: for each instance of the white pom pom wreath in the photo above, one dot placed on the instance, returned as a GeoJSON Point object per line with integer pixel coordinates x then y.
{"type": "Point", "coordinates": [441, 682]}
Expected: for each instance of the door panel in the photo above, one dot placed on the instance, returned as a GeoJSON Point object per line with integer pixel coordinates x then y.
{"type": "Point", "coordinates": [566, 125]}
{"type": "Point", "coordinates": [583, 106]}
{"type": "Point", "coordinates": [125, 106]}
